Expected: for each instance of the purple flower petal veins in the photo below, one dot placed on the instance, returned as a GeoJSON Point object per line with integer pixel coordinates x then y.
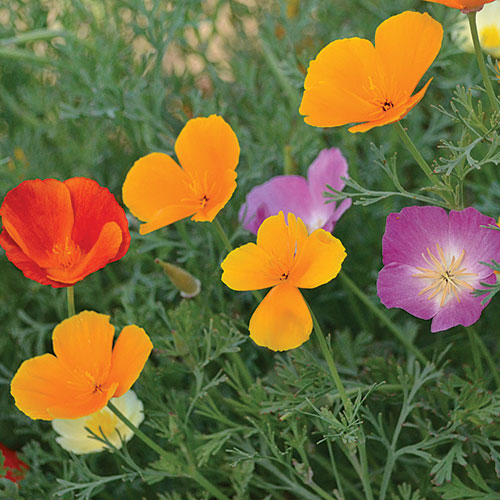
{"type": "Point", "coordinates": [432, 264]}
{"type": "Point", "coordinates": [304, 198]}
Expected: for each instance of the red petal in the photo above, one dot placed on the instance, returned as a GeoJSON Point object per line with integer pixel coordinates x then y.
{"type": "Point", "coordinates": [94, 206]}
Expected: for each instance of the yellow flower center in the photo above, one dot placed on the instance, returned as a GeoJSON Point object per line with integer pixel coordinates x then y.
{"type": "Point", "coordinates": [446, 278]}
{"type": "Point", "coordinates": [490, 37]}
{"type": "Point", "coordinates": [102, 420]}
{"type": "Point", "coordinates": [67, 253]}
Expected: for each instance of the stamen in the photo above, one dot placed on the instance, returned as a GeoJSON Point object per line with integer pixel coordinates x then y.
{"type": "Point", "coordinates": [446, 279]}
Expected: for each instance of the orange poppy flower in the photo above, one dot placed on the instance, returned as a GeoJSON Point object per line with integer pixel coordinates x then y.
{"type": "Point", "coordinates": [57, 233]}
{"type": "Point", "coordinates": [351, 80]}
{"type": "Point", "coordinates": [285, 258]}
{"type": "Point", "coordinates": [158, 191]}
{"type": "Point", "coordinates": [86, 371]}
{"type": "Point", "coordinates": [464, 5]}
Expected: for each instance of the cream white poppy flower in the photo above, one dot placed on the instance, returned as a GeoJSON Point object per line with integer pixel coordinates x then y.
{"type": "Point", "coordinates": [488, 27]}
{"type": "Point", "coordinates": [74, 437]}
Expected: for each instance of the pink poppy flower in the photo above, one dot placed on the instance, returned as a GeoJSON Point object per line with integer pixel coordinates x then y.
{"type": "Point", "coordinates": [301, 197]}
{"type": "Point", "coordinates": [432, 264]}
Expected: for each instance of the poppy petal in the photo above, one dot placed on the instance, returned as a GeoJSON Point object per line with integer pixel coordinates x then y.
{"type": "Point", "coordinates": [156, 183]}
{"type": "Point", "coordinates": [282, 320]}
{"type": "Point", "coordinates": [394, 114]}
{"type": "Point", "coordinates": [103, 252]}
{"type": "Point", "coordinates": [337, 85]}
{"type": "Point", "coordinates": [249, 267]}
{"type": "Point", "coordinates": [318, 261]}
{"type": "Point", "coordinates": [38, 214]}
{"type": "Point", "coordinates": [84, 342]}
{"type": "Point", "coordinates": [281, 241]}
{"type": "Point", "coordinates": [130, 353]}
{"type": "Point", "coordinates": [406, 45]}
{"type": "Point", "coordinates": [93, 207]}
{"type": "Point", "coordinates": [206, 147]}
{"type": "Point", "coordinates": [29, 268]}
{"type": "Point", "coordinates": [44, 388]}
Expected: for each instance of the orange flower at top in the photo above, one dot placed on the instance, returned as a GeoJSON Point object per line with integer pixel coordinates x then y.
{"type": "Point", "coordinates": [351, 80]}
{"type": "Point", "coordinates": [57, 233]}
{"type": "Point", "coordinates": [86, 371]}
{"type": "Point", "coordinates": [465, 5]}
{"type": "Point", "coordinates": [158, 191]}
{"type": "Point", "coordinates": [285, 258]}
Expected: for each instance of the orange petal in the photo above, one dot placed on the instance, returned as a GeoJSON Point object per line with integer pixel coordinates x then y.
{"type": "Point", "coordinates": [395, 114]}
{"type": "Point", "coordinates": [38, 214]}
{"type": "Point", "coordinates": [130, 353]}
{"type": "Point", "coordinates": [249, 267]}
{"type": "Point", "coordinates": [206, 147]}
{"type": "Point", "coordinates": [338, 84]}
{"type": "Point", "coordinates": [44, 388]}
{"type": "Point", "coordinates": [84, 343]}
{"type": "Point", "coordinates": [282, 320]}
{"type": "Point", "coordinates": [103, 252]}
{"type": "Point", "coordinates": [318, 261]}
{"type": "Point", "coordinates": [154, 184]}
{"type": "Point", "coordinates": [406, 45]}
{"type": "Point", "coordinates": [280, 240]}
{"type": "Point", "coordinates": [217, 197]}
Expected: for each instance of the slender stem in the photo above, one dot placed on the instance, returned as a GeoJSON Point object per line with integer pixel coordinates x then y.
{"type": "Point", "coordinates": [481, 63]}
{"type": "Point", "coordinates": [70, 292]}
{"type": "Point", "coordinates": [478, 341]}
{"type": "Point", "coordinates": [405, 138]}
{"type": "Point", "coordinates": [273, 63]}
{"type": "Point", "coordinates": [363, 461]}
{"type": "Point", "coordinates": [222, 234]}
{"type": "Point", "coordinates": [331, 363]}
{"type": "Point", "coordinates": [475, 352]}
{"type": "Point", "coordinates": [192, 472]}
{"type": "Point", "coordinates": [383, 318]}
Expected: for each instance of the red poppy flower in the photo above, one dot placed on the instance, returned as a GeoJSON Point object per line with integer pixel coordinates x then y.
{"type": "Point", "coordinates": [14, 468]}
{"type": "Point", "coordinates": [57, 233]}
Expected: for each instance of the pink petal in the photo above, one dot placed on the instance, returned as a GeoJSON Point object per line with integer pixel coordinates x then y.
{"type": "Point", "coordinates": [286, 193]}
{"type": "Point", "coordinates": [409, 233]}
{"type": "Point", "coordinates": [397, 287]}
{"type": "Point", "coordinates": [466, 312]}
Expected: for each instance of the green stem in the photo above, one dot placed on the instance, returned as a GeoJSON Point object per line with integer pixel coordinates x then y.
{"type": "Point", "coordinates": [405, 138]}
{"type": "Point", "coordinates": [475, 352]}
{"type": "Point", "coordinates": [363, 461]}
{"type": "Point", "coordinates": [192, 472]}
{"type": "Point", "coordinates": [383, 318]}
{"type": "Point", "coordinates": [327, 353]}
{"type": "Point", "coordinates": [477, 341]}
{"type": "Point", "coordinates": [70, 292]}
{"type": "Point", "coordinates": [222, 235]}
{"type": "Point", "coordinates": [480, 61]}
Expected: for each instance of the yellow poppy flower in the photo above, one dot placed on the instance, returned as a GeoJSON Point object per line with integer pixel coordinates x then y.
{"type": "Point", "coordinates": [286, 258]}
{"type": "Point", "coordinates": [158, 191]}
{"type": "Point", "coordinates": [351, 80]}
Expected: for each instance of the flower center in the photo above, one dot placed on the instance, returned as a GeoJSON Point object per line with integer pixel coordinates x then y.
{"type": "Point", "coordinates": [446, 278]}
{"type": "Point", "coordinates": [387, 105]}
{"type": "Point", "coordinates": [67, 253]}
{"type": "Point", "coordinates": [102, 420]}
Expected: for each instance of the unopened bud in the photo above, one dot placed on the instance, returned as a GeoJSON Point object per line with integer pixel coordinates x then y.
{"type": "Point", "coordinates": [186, 283]}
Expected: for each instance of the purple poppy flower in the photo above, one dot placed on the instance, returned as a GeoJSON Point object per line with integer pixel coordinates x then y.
{"type": "Point", "coordinates": [431, 264]}
{"type": "Point", "coordinates": [304, 198]}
